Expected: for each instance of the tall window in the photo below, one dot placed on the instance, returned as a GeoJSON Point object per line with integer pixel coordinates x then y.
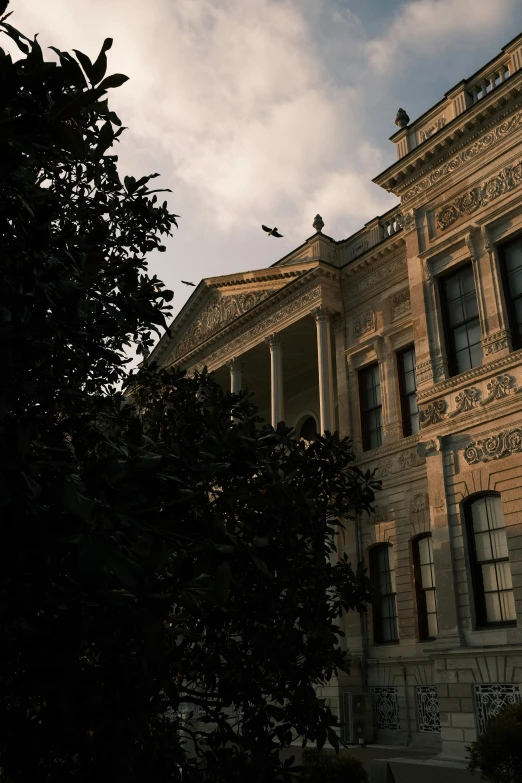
{"type": "Point", "coordinates": [461, 320]}
{"type": "Point", "coordinates": [384, 604]}
{"type": "Point", "coordinates": [425, 587]}
{"type": "Point", "coordinates": [493, 588]}
{"type": "Point", "coordinates": [512, 258]}
{"type": "Point", "coordinates": [371, 407]}
{"type": "Point", "coordinates": [408, 389]}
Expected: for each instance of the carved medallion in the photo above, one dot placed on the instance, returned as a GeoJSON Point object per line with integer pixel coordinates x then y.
{"type": "Point", "coordinates": [494, 447]}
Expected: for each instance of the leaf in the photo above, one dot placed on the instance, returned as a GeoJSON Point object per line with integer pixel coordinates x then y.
{"type": "Point", "coordinates": [105, 139]}
{"type": "Point", "coordinates": [222, 582]}
{"type": "Point", "coordinates": [93, 262]}
{"type": "Point", "coordinates": [85, 63]}
{"type": "Point", "coordinates": [100, 66]}
{"type": "Point", "coordinates": [116, 80]}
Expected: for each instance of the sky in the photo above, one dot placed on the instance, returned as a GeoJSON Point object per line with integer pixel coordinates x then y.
{"type": "Point", "coordinates": [269, 111]}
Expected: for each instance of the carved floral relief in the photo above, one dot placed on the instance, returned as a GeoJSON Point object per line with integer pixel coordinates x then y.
{"type": "Point", "coordinates": [477, 148]}
{"type": "Point", "coordinates": [494, 447]}
{"type": "Point", "coordinates": [363, 323]}
{"type": "Point", "coordinates": [221, 310]}
{"type": "Point", "coordinates": [503, 182]}
{"type": "Point", "coordinates": [401, 303]}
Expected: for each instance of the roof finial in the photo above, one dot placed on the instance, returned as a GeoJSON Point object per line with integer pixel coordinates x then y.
{"type": "Point", "coordinates": [402, 118]}
{"type": "Point", "coordinates": [318, 223]}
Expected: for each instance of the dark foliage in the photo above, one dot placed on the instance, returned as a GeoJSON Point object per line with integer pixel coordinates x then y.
{"type": "Point", "coordinates": [325, 767]}
{"type": "Point", "coordinates": [497, 753]}
{"type": "Point", "coordinates": [155, 553]}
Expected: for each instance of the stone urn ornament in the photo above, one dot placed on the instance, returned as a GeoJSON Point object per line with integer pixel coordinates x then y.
{"type": "Point", "coordinates": [402, 118]}
{"type": "Point", "coordinates": [318, 223]}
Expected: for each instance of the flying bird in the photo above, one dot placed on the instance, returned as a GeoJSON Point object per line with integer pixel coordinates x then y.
{"type": "Point", "coordinates": [186, 282]}
{"type": "Point", "coordinates": [272, 232]}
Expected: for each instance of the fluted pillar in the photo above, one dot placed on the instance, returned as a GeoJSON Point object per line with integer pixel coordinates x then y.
{"type": "Point", "coordinates": [276, 378]}
{"type": "Point", "coordinates": [322, 317]}
{"type": "Point", "coordinates": [236, 375]}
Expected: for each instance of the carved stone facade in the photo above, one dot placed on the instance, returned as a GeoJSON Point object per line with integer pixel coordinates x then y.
{"type": "Point", "coordinates": [348, 310]}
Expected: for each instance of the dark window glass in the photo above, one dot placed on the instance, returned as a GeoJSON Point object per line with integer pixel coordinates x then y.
{"type": "Point", "coordinates": [512, 255]}
{"type": "Point", "coordinates": [371, 407]}
{"type": "Point", "coordinates": [493, 588]}
{"type": "Point", "coordinates": [425, 587]}
{"type": "Point", "coordinates": [461, 319]}
{"type": "Point", "coordinates": [384, 604]}
{"type": "Point", "coordinates": [408, 387]}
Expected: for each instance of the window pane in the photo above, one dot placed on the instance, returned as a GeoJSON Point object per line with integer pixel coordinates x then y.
{"type": "Point", "coordinates": [494, 511]}
{"type": "Point", "coordinates": [493, 613]}
{"type": "Point", "coordinates": [483, 547]}
{"type": "Point", "coordinates": [489, 577]}
{"type": "Point", "coordinates": [480, 515]}
{"type": "Point", "coordinates": [430, 601]}
{"type": "Point", "coordinates": [503, 573]}
{"type": "Point", "coordinates": [507, 604]}
{"type": "Point", "coordinates": [499, 545]}
{"type": "Point", "coordinates": [464, 333]}
{"type": "Point", "coordinates": [433, 626]}
{"type": "Point", "coordinates": [426, 576]}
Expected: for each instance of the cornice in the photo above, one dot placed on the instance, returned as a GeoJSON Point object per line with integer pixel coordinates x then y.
{"type": "Point", "coordinates": [394, 247]}
{"type": "Point", "coordinates": [458, 382]}
{"type": "Point", "coordinates": [410, 168]}
{"type": "Point", "coordinates": [318, 273]}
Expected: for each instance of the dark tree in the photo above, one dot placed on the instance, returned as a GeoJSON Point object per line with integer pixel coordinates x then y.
{"type": "Point", "coordinates": [155, 552]}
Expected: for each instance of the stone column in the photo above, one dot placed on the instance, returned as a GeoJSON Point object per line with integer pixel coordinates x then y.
{"type": "Point", "coordinates": [324, 363]}
{"type": "Point", "coordinates": [276, 378]}
{"type": "Point", "coordinates": [236, 375]}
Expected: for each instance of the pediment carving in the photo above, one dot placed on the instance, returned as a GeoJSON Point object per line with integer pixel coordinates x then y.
{"type": "Point", "coordinates": [216, 314]}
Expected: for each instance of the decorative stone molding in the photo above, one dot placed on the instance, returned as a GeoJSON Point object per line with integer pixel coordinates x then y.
{"type": "Point", "coordinates": [432, 413]}
{"type": "Point", "coordinates": [466, 401]}
{"type": "Point", "coordinates": [470, 375]}
{"type": "Point", "coordinates": [510, 125]}
{"type": "Point", "coordinates": [265, 326]}
{"type": "Point", "coordinates": [427, 133]}
{"type": "Point", "coordinates": [493, 343]}
{"type": "Point", "coordinates": [425, 447]}
{"type": "Point", "coordinates": [424, 372]}
{"type": "Point", "coordinates": [494, 447]}
{"type": "Point", "coordinates": [358, 249]}
{"type": "Point", "coordinates": [406, 219]}
{"type": "Point", "coordinates": [380, 274]}
{"type": "Point", "coordinates": [419, 502]}
{"type": "Point", "coordinates": [500, 387]}
{"type": "Point", "coordinates": [363, 323]}
{"type": "Point", "coordinates": [401, 303]}
{"type": "Point", "coordinates": [427, 272]}
{"type": "Point", "coordinates": [488, 245]}
{"type": "Point", "coordinates": [438, 368]}
{"type": "Point", "coordinates": [217, 313]}
{"type": "Point", "coordinates": [398, 464]}
{"type": "Point", "coordinates": [506, 180]}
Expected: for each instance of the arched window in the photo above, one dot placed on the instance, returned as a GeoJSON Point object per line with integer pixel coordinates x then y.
{"type": "Point", "coordinates": [308, 429]}
{"type": "Point", "coordinates": [424, 573]}
{"type": "Point", "coordinates": [489, 558]}
{"type": "Point", "coordinates": [384, 604]}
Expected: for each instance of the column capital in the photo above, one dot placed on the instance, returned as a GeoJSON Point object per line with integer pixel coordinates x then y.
{"type": "Point", "coordinates": [235, 364]}
{"type": "Point", "coordinates": [322, 313]}
{"type": "Point", "coordinates": [274, 340]}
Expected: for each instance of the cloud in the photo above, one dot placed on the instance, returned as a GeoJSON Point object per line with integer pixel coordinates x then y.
{"type": "Point", "coordinates": [267, 110]}
{"type": "Point", "coordinates": [237, 98]}
{"type": "Point", "coordinates": [424, 28]}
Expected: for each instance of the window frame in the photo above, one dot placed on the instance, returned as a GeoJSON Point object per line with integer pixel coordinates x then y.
{"type": "Point", "coordinates": [451, 352]}
{"type": "Point", "coordinates": [420, 591]}
{"type": "Point", "coordinates": [377, 598]}
{"type": "Point", "coordinates": [477, 581]}
{"type": "Point", "coordinates": [362, 413]}
{"type": "Point", "coordinates": [407, 429]}
{"type": "Point", "coordinates": [516, 331]}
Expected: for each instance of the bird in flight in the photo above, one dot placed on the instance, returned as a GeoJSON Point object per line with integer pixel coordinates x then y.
{"type": "Point", "coordinates": [186, 282]}
{"type": "Point", "coordinates": [272, 232]}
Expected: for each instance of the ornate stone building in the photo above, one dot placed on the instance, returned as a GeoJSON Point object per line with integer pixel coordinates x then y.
{"type": "Point", "coordinates": [408, 336]}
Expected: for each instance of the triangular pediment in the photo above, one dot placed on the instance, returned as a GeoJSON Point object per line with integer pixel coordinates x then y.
{"type": "Point", "coordinates": [218, 302]}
